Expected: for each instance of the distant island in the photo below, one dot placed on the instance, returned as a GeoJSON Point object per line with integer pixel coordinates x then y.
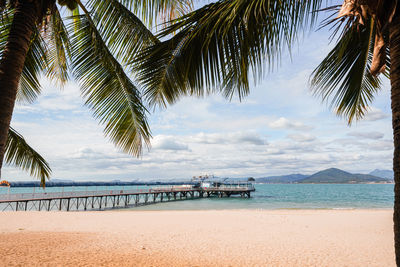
{"type": "Point", "coordinates": [331, 176]}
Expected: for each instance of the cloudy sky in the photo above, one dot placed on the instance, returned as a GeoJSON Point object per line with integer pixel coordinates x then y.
{"type": "Point", "coordinates": [280, 128]}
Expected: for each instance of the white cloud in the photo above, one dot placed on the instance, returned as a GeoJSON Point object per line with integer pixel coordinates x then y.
{"type": "Point", "coordinates": [168, 143]}
{"type": "Point", "coordinates": [302, 137]}
{"type": "Point", "coordinates": [367, 135]}
{"type": "Point", "coordinates": [250, 138]}
{"type": "Point", "coordinates": [382, 145]}
{"type": "Point", "coordinates": [375, 114]}
{"type": "Point", "coordinates": [284, 123]}
{"type": "Point", "coordinates": [230, 138]}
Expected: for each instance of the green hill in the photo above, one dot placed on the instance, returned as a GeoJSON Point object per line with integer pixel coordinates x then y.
{"type": "Point", "coordinates": [333, 176]}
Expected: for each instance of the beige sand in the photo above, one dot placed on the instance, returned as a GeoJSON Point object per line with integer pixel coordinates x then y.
{"type": "Point", "coordinates": [198, 238]}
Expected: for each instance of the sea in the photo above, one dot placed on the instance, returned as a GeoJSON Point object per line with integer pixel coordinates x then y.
{"type": "Point", "coordinates": [266, 196]}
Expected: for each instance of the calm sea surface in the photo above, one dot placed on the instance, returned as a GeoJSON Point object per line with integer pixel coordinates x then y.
{"type": "Point", "coordinates": [269, 196]}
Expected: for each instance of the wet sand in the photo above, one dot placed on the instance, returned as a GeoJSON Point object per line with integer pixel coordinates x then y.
{"type": "Point", "coordinates": [198, 238]}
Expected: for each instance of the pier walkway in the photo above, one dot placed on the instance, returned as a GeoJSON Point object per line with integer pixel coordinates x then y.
{"type": "Point", "coordinates": [98, 200]}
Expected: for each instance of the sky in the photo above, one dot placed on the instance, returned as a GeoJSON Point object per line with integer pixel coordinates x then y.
{"type": "Point", "coordinates": [280, 128]}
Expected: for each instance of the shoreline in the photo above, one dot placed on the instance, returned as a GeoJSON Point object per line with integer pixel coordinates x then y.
{"type": "Point", "coordinates": [283, 237]}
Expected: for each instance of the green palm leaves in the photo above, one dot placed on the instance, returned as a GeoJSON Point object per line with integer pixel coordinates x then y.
{"type": "Point", "coordinates": [23, 156]}
{"type": "Point", "coordinates": [345, 72]}
{"type": "Point", "coordinates": [217, 46]}
{"type": "Point", "coordinates": [107, 89]}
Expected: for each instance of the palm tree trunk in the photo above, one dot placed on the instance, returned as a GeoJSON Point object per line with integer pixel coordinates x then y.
{"type": "Point", "coordinates": [12, 63]}
{"type": "Point", "coordinates": [395, 84]}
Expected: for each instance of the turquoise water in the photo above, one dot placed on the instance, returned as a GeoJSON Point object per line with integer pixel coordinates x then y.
{"type": "Point", "coordinates": [296, 196]}
{"type": "Point", "coordinates": [269, 196]}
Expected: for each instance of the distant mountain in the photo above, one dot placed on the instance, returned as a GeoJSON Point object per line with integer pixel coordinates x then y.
{"type": "Point", "coordinates": [388, 174]}
{"type": "Point", "coordinates": [333, 175]}
{"type": "Point", "coordinates": [283, 179]}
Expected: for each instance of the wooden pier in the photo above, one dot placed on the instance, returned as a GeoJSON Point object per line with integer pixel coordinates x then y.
{"type": "Point", "coordinates": [99, 200]}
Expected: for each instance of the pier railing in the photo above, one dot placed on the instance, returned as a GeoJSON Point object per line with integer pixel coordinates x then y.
{"type": "Point", "coordinates": [92, 193]}
{"type": "Point", "coordinates": [67, 194]}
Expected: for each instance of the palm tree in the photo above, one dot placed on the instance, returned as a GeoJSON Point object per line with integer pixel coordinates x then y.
{"type": "Point", "coordinates": [95, 45]}
{"type": "Point", "coordinates": [217, 46]}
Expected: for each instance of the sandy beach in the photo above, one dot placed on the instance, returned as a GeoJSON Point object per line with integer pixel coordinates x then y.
{"type": "Point", "coordinates": [198, 238]}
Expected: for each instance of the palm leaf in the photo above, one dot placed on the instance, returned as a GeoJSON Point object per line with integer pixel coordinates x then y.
{"type": "Point", "coordinates": [121, 30]}
{"type": "Point", "coordinates": [152, 11]}
{"type": "Point", "coordinates": [217, 45]}
{"type": "Point", "coordinates": [29, 87]}
{"type": "Point", "coordinates": [108, 91]}
{"type": "Point", "coordinates": [344, 75]}
{"type": "Point", "coordinates": [23, 156]}
{"type": "Point", "coordinates": [59, 48]}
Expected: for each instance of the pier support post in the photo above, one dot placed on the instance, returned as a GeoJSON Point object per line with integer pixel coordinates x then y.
{"type": "Point", "coordinates": [85, 203]}
{"type": "Point", "coordinates": [92, 202]}
{"type": "Point", "coordinates": [77, 203]}
{"type": "Point", "coordinates": [59, 207]}
{"type": "Point", "coordinates": [136, 200]}
{"type": "Point", "coordinates": [68, 201]}
{"type": "Point", "coordinates": [40, 205]}
{"type": "Point", "coordinates": [16, 206]}
{"type": "Point", "coordinates": [114, 202]}
{"type": "Point", "coordinates": [101, 200]}
{"type": "Point", "coordinates": [26, 205]}
{"type": "Point", "coordinates": [48, 207]}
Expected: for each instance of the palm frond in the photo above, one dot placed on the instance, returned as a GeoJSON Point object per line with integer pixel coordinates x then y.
{"type": "Point", "coordinates": [217, 45]}
{"type": "Point", "coordinates": [108, 91]}
{"type": "Point", "coordinates": [59, 49]}
{"type": "Point", "coordinates": [20, 154]}
{"type": "Point", "coordinates": [29, 87]}
{"type": "Point", "coordinates": [151, 12]}
{"type": "Point", "coordinates": [344, 76]}
{"type": "Point", "coordinates": [121, 30]}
